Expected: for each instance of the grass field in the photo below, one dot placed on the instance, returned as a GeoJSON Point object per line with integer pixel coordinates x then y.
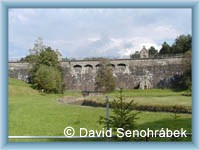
{"type": "Point", "coordinates": [34, 113]}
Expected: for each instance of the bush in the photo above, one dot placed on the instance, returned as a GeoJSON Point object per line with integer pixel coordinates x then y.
{"type": "Point", "coordinates": [152, 108]}
{"type": "Point", "coordinates": [46, 73]}
{"type": "Point", "coordinates": [48, 79]}
{"type": "Point", "coordinates": [104, 80]}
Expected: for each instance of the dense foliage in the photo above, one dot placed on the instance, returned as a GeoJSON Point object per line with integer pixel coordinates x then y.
{"type": "Point", "coordinates": [123, 116]}
{"type": "Point", "coordinates": [104, 80]}
{"type": "Point", "coordinates": [48, 78]}
{"type": "Point", "coordinates": [45, 73]}
{"type": "Point", "coordinates": [153, 51]}
{"type": "Point", "coordinates": [165, 49]}
{"type": "Point", "coordinates": [181, 45]}
{"type": "Point", "coordinates": [135, 55]}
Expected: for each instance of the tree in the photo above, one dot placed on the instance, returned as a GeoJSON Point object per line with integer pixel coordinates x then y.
{"type": "Point", "coordinates": [166, 49]}
{"type": "Point", "coordinates": [47, 60]}
{"type": "Point", "coordinates": [135, 55]}
{"type": "Point", "coordinates": [182, 44]}
{"type": "Point", "coordinates": [34, 52]}
{"type": "Point", "coordinates": [153, 51]}
{"type": "Point", "coordinates": [38, 47]}
{"type": "Point", "coordinates": [48, 78]}
{"type": "Point", "coordinates": [30, 59]}
{"type": "Point", "coordinates": [104, 80]}
{"type": "Point", "coordinates": [123, 116]}
{"type": "Point", "coordinates": [48, 57]}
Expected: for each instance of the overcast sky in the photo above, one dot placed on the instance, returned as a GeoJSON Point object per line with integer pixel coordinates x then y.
{"type": "Point", "coordinates": [79, 33]}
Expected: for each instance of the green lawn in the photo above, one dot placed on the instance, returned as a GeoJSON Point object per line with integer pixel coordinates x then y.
{"type": "Point", "coordinates": [34, 113]}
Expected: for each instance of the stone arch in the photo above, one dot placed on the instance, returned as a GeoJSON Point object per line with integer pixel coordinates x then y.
{"type": "Point", "coordinates": [121, 67]}
{"type": "Point", "coordinates": [121, 64]}
{"type": "Point", "coordinates": [88, 68]}
{"type": "Point", "coordinates": [98, 65]}
{"type": "Point", "coordinates": [77, 68]}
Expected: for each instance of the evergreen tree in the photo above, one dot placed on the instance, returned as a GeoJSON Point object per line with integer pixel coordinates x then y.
{"type": "Point", "coordinates": [166, 49]}
{"type": "Point", "coordinates": [123, 115]}
{"type": "Point", "coordinates": [135, 55]}
{"type": "Point", "coordinates": [153, 51]}
{"type": "Point", "coordinates": [182, 44]}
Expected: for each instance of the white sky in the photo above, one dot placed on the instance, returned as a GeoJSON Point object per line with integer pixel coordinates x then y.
{"type": "Point", "coordinates": [79, 33]}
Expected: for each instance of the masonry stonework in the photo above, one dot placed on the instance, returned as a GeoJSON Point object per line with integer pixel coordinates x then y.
{"type": "Point", "coordinates": [140, 73]}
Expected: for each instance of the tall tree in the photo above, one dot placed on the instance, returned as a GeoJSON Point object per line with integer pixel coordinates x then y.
{"type": "Point", "coordinates": [135, 55]}
{"type": "Point", "coordinates": [48, 57]}
{"type": "Point", "coordinates": [46, 72]}
{"type": "Point", "coordinates": [38, 47]}
{"type": "Point", "coordinates": [165, 49]}
{"type": "Point", "coordinates": [104, 80]}
{"type": "Point", "coordinates": [182, 44]}
{"type": "Point", "coordinates": [153, 51]}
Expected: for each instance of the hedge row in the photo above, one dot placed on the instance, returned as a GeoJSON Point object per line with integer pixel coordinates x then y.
{"type": "Point", "coordinates": [153, 108]}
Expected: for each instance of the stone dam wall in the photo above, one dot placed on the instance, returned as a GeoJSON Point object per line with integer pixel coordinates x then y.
{"type": "Point", "coordinates": [128, 73]}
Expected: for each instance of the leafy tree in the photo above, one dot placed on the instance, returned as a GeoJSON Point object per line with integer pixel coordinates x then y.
{"type": "Point", "coordinates": [34, 52]}
{"type": "Point", "coordinates": [48, 78]}
{"type": "Point", "coordinates": [29, 59]}
{"type": "Point", "coordinates": [104, 79]}
{"type": "Point", "coordinates": [166, 49]}
{"type": "Point", "coordinates": [38, 47]}
{"type": "Point", "coordinates": [153, 51]}
{"type": "Point", "coordinates": [48, 57]}
{"type": "Point", "coordinates": [123, 116]}
{"type": "Point", "coordinates": [52, 73]}
{"type": "Point", "coordinates": [182, 44]}
{"type": "Point", "coordinates": [135, 55]}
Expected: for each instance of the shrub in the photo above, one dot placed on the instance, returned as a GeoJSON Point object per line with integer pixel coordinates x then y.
{"type": "Point", "coordinates": [48, 79]}
{"type": "Point", "coordinates": [153, 108]}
